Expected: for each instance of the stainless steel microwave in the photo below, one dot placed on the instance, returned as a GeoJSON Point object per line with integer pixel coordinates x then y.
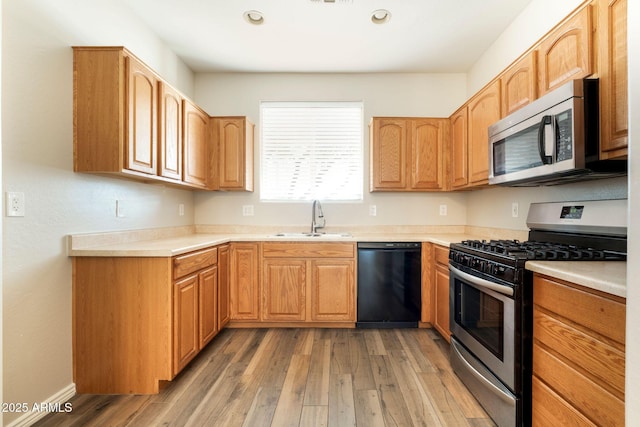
{"type": "Point", "coordinates": [553, 140]}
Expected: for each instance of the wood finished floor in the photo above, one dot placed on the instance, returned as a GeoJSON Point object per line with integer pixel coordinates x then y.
{"type": "Point", "coordinates": [299, 377]}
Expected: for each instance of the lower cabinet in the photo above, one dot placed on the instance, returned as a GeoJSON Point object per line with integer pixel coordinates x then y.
{"type": "Point", "coordinates": [244, 280]}
{"type": "Point", "coordinates": [138, 321]}
{"type": "Point", "coordinates": [308, 282]}
{"type": "Point", "coordinates": [441, 291]}
{"type": "Point", "coordinates": [224, 313]}
{"type": "Point", "coordinates": [578, 355]}
{"type": "Point", "coordinates": [435, 287]}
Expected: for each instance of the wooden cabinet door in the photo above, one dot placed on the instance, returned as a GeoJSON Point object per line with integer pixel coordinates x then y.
{"type": "Point", "coordinates": [459, 167]}
{"type": "Point", "coordinates": [170, 135]}
{"type": "Point", "coordinates": [142, 142]}
{"type": "Point", "coordinates": [427, 147]}
{"type": "Point", "coordinates": [484, 110]}
{"type": "Point", "coordinates": [244, 282]}
{"type": "Point", "coordinates": [208, 304]}
{"type": "Point", "coordinates": [519, 84]}
{"type": "Point", "coordinates": [389, 153]}
{"type": "Point", "coordinates": [567, 52]}
{"type": "Point", "coordinates": [441, 301]}
{"type": "Point", "coordinates": [185, 322]}
{"type": "Point", "coordinates": [284, 289]}
{"type": "Point", "coordinates": [235, 153]}
{"type": "Point", "coordinates": [333, 290]}
{"type": "Point", "coordinates": [614, 115]}
{"type": "Point", "coordinates": [578, 354]}
{"type": "Point", "coordinates": [223, 286]}
{"type": "Point", "coordinates": [197, 161]}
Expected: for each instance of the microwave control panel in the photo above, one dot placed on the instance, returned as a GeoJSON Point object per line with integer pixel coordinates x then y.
{"type": "Point", "coordinates": [564, 140]}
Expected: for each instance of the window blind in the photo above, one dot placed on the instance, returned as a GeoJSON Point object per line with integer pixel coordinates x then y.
{"type": "Point", "coordinates": [311, 151]}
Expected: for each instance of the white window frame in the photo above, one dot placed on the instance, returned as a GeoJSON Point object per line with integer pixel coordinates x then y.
{"type": "Point", "coordinates": [329, 180]}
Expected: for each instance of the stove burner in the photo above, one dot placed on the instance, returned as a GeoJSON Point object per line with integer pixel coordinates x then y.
{"type": "Point", "coordinates": [543, 251]}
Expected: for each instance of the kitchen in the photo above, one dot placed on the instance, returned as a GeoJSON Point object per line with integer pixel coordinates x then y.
{"type": "Point", "coordinates": [37, 159]}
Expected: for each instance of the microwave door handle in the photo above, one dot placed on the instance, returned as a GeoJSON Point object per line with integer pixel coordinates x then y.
{"type": "Point", "coordinates": [542, 139]}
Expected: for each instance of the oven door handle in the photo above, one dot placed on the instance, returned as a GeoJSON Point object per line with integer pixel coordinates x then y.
{"type": "Point", "coordinates": [478, 281]}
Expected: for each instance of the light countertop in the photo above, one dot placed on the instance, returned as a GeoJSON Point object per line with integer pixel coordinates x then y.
{"type": "Point", "coordinates": [606, 276]}
{"type": "Point", "coordinates": [172, 246]}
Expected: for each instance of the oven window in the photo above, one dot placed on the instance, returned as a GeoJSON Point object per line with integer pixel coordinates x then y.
{"type": "Point", "coordinates": [482, 316]}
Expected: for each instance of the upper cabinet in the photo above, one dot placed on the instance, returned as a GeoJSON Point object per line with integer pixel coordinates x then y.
{"type": "Point", "coordinates": [197, 146]}
{"type": "Point", "coordinates": [567, 52]}
{"type": "Point", "coordinates": [129, 122]}
{"type": "Point", "coordinates": [459, 169]}
{"type": "Point", "coordinates": [142, 113]}
{"type": "Point", "coordinates": [233, 138]}
{"type": "Point", "coordinates": [170, 136]}
{"type": "Point", "coordinates": [407, 154]}
{"type": "Point", "coordinates": [484, 110]}
{"type": "Point", "coordinates": [519, 83]}
{"type": "Point", "coordinates": [612, 71]}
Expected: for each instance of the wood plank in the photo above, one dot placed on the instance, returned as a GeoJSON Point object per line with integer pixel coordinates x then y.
{"type": "Point", "coordinates": [359, 361]}
{"type": "Point", "coordinates": [374, 343]}
{"type": "Point", "coordinates": [342, 410]}
{"type": "Point", "coordinates": [274, 377]}
{"type": "Point", "coordinates": [289, 406]}
{"type": "Point", "coordinates": [314, 416]}
{"type": "Point", "coordinates": [421, 410]}
{"type": "Point", "coordinates": [368, 409]}
{"type": "Point", "coordinates": [317, 392]}
{"type": "Point", "coordinates": [394, 408]}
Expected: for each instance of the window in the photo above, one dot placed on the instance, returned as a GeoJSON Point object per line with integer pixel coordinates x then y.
{"type": "Point", "coordinates": [311, 150]}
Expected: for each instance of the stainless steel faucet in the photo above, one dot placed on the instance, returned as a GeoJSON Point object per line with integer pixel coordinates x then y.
{"type": "Point", "coordinates": [317, 217]}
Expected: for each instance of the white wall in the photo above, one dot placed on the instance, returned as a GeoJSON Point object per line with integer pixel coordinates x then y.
{"type": "Point", "coordinates": [37, 160]}
{"type": "Point", "coordinates": [432, 95]}
{"type": "Point", "coordinates": [529, 27]}
{"type": "Point", "coordinates": [632, 388]}
{"type": "Point", "coordinates": [1, 218]}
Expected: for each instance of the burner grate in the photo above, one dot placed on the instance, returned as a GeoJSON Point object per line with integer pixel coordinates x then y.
{"type": "Point", "coordinates": [544, 251]}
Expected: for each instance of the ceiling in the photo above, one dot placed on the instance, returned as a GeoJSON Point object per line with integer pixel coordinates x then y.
{"type": "Point", "coordinates": [434, 36]}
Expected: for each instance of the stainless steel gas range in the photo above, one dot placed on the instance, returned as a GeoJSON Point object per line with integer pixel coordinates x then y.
{"type": "Point", "coordinates": [491, 296]}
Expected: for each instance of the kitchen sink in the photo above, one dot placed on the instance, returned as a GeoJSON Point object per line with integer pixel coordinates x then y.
{"type": "Point", "coordinates": [318, 235]}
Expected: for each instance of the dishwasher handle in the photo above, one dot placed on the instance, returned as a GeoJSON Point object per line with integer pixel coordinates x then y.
{"type": "Point", "coordinates": [390, 245]}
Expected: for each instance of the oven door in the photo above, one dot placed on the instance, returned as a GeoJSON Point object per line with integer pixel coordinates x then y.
{"type": "Point", "coordinates": [482, 318]}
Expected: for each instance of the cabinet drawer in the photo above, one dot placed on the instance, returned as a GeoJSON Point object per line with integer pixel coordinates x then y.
{"type": "Point", "coordinates": [308, 250]}
{"type": "Point", "coordinates": [581, 392]}
{"type": "Point", "coordinates": [605, 316]}
{"type": "Point", "coordinates": [194, 261]}
{"type": "Point", "coordinates": [442, 255]}
{"type": "Point", "coordinates": [549, 409]}
{"type": "Point", "coordinates": [596, 358]}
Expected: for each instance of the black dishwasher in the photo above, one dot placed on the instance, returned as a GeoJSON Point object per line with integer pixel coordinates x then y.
{"type": "Point", "coordinates": [389, 283]}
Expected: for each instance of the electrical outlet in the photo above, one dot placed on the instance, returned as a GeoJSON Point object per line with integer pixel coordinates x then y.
{"type": "Point", "coordinates": [515, 209]}
{"type": "Point", "coordinates": [120, 210]}
{"type": "Point", "coordinates": [443, 210]}
{"type": "Point", "coordinates": [15, 203]}
{"type": "Point", "coordinates": [373, 210]}
{"type": "Point", "coordinates": [247, 210]}
{"type": "Point", "coordinates": [181, 209]}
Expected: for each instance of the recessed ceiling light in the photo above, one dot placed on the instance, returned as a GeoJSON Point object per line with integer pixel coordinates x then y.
{"type": "Point", "coordinates": [253, 17]}
{"type": "Point", "coordinates": [380, 16]}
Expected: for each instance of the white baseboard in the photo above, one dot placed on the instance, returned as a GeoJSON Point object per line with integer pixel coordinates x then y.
{"type": "Point", "coordinates": [59, 399]}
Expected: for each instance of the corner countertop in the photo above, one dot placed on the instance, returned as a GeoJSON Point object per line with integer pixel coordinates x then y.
{"type": "Point", "coordinates": [178, 245]}
{"type": "Point", "coordinates": [606, 276]}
